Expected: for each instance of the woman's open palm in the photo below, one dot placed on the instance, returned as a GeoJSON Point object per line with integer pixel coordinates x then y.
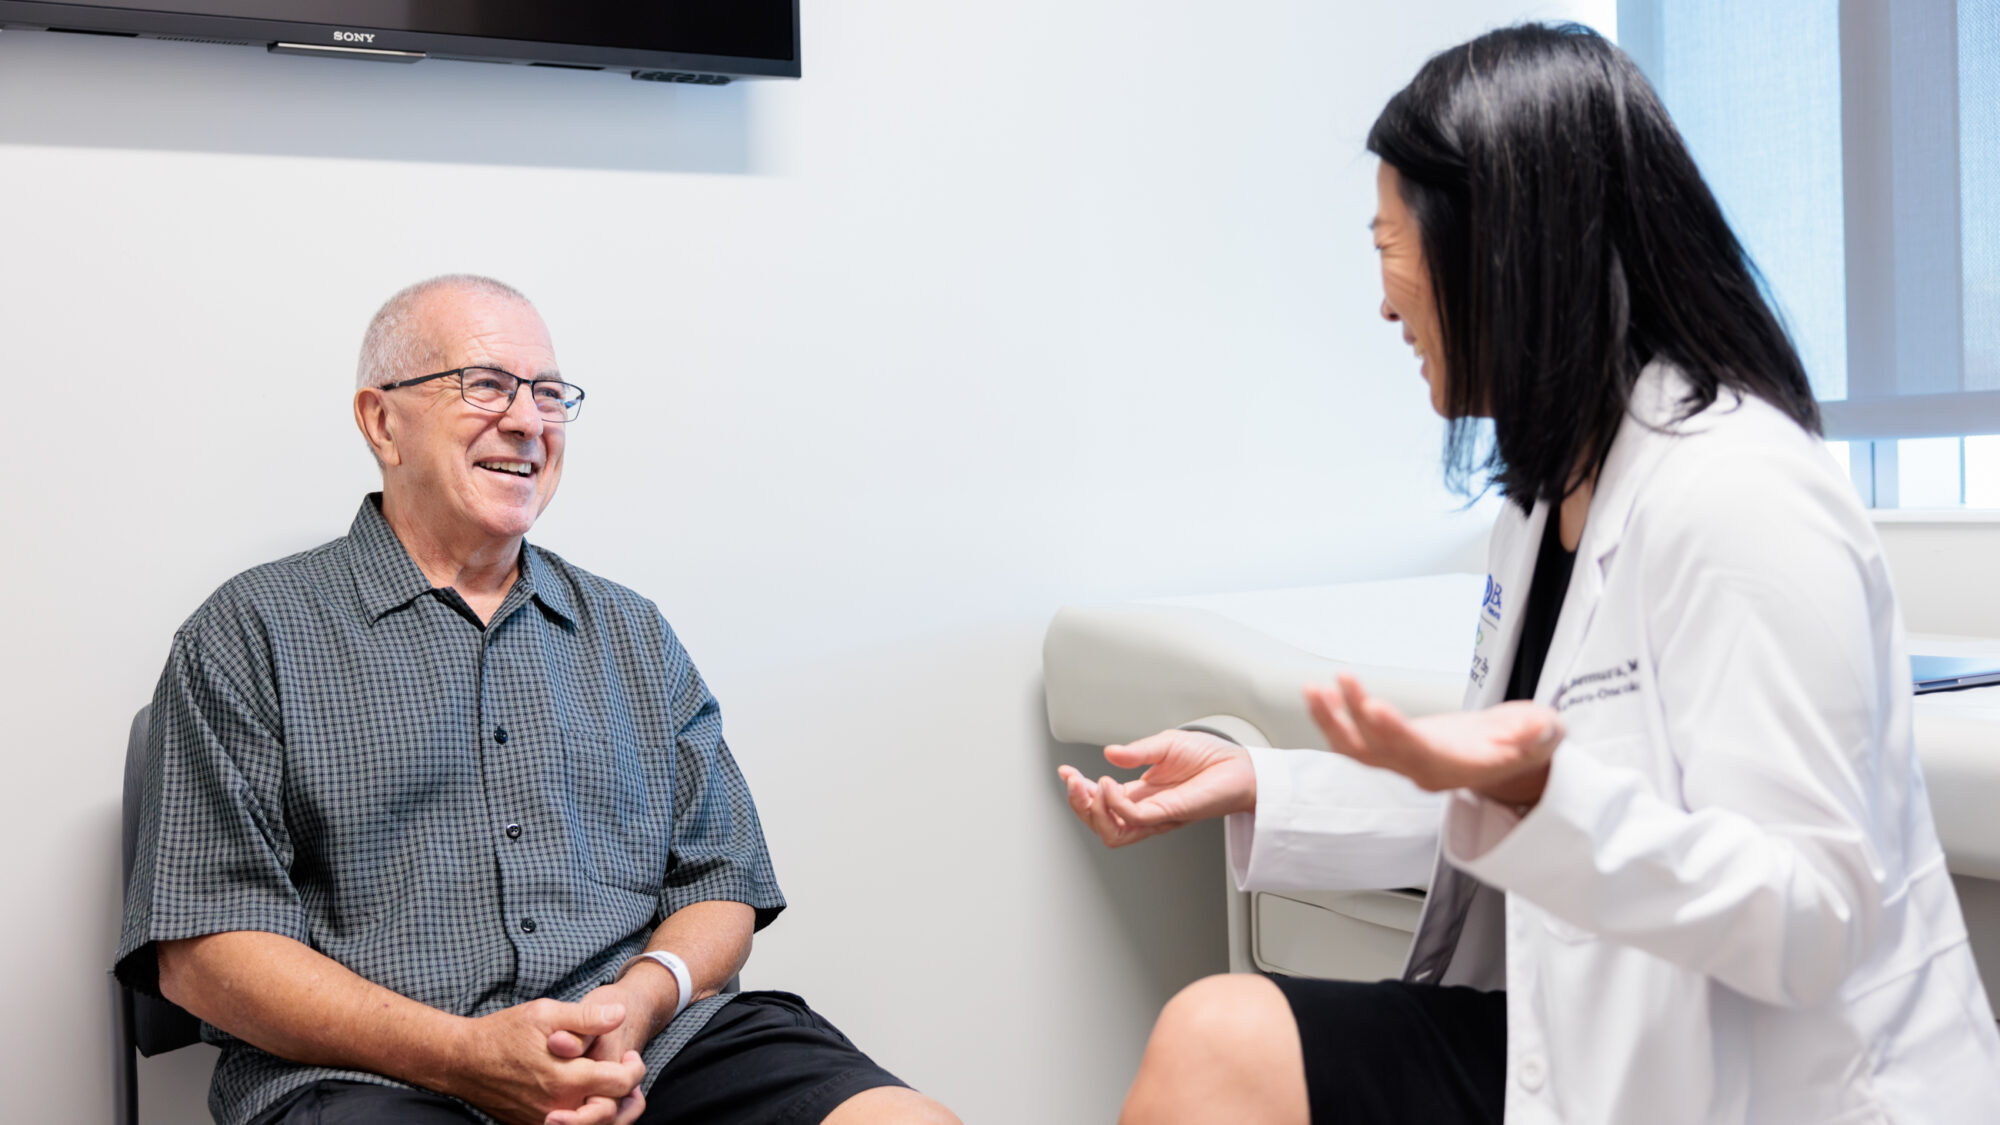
{"type": "Point", "coordinates": [1192, 776]}
{"type": "Point", "coordinates": [1502, 751]}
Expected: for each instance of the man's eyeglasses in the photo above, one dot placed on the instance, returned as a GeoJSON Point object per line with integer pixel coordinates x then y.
{"type": "Point", "coordinates": [490, 388]}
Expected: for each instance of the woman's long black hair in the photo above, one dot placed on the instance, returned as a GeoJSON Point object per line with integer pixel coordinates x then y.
{"type": "Point", "coordinates": [1570, 241]}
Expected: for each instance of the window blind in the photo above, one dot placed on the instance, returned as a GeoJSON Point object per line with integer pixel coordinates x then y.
{"type": "Point", "coordinates": [1855, 147]}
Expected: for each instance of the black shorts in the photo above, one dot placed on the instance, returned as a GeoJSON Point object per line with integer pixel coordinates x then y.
{"type": "Point", "coordinates": [1389, 1052]}
{"type": "Point", "coordinates": [764, 1059]}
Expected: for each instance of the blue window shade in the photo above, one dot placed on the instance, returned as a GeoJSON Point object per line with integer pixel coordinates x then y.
{"type": "Point", "coordinates": [1979, 187]}
{"type": "Point", "coordinates": [1755, 91]}
{"type": "Point", "coordinates": [1855, 147]}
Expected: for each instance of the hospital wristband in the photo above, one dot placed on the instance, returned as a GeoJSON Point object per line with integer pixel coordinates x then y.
{"type": "Point", "coordinates": [671, 963]}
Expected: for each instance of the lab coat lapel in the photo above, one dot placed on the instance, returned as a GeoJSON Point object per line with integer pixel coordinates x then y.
{"type": "Point", "coordinates": [1516, 540]}
{"type": "Point", "coordinates": [1640, 443]}
{"type": "Point", "coordinates": [1510, 570]}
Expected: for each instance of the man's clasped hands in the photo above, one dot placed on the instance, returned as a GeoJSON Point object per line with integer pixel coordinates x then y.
{"type": "Point", "coordinates": [546, 1052]}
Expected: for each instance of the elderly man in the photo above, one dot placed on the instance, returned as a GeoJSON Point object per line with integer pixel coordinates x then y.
{"type": "Point", "coordinates": [440, 828]}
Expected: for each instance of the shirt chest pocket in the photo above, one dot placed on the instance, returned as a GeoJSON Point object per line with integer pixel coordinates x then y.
{"type": "Point", "coordinates": [622, 796]}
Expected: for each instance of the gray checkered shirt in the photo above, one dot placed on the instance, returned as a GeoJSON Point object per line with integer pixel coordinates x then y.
{"type": "Point", "coordinates": [471, 816]}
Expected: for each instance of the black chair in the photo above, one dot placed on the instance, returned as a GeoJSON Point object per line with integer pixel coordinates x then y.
{"type": "Point", "coordinates": [140, 1024]}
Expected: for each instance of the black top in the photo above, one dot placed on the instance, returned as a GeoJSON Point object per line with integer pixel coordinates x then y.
{"type": "Point", "coordinates": [1545, 598]}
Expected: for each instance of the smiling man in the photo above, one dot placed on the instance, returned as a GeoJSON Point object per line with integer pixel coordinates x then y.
{"type": "Point", "coordinates": [440, 828]}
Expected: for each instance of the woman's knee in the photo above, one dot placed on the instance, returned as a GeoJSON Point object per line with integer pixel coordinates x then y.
{"type": "Point", "coordinates": [1226, 1014]}
{"type": "Point", "coordinates": [891, 1105]}
{"type": "Point", "coordinates": [1223, 1045]}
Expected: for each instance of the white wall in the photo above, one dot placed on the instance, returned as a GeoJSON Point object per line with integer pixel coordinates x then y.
{"type": "Point", "coordinates": [1943, 566]}
{"type": "Point", "coordinates": [1003, 306]}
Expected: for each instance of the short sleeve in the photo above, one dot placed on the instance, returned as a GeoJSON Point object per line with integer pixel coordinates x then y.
{"type": "Point", "coordinates": [212, 853]}
{"type": "Point", "coordinates": [718, 850]}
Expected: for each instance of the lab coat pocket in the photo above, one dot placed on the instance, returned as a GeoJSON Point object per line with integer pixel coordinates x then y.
{"type": "Point", "coordinates": [1617, 746]}
{"type": "Point", "coordinates": [1563, 931]}
{"type": "Point", "coordinates": [1627, 745]}
{"type": "Point", "coordinates": [1861, 1115]}
{"type": "Point", "coordinates": [1611, 738]}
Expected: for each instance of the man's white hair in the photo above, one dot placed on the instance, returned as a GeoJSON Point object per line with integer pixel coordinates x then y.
{"type": "Point", "coordinates": [398, 344]}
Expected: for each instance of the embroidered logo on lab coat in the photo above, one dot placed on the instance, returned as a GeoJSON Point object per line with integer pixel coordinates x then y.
{"type": "Point", "coordinates": [1619, 679]}
{"type": "Point", "coordinates": [1479, 661]}
{"type": "Point", "coordinates": [1490, 607]}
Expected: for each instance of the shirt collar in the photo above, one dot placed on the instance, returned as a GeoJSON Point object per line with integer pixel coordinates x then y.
{"type": "Point", "coordinates": [387, 578]}
{"type": "Point", "coordinates": [548, 590]}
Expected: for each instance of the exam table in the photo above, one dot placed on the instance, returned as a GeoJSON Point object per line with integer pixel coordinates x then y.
{"type": "Point", "coordinates": [1234, 664]}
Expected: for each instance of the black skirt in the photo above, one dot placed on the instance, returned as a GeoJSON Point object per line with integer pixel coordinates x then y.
{"type": "Point", "coordinates": [1392, 1053]}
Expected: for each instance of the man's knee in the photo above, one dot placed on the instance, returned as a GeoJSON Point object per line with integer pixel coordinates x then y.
{"type": "Point", "coordinates": [891, 1105]}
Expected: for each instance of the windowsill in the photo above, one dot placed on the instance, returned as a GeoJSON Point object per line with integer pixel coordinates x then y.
{"type": "Point", "coordinates": [1935, 515]}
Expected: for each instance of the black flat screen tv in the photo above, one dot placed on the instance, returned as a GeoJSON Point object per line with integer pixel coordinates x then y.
{"type": "Point", "coordinates": [700, 41]}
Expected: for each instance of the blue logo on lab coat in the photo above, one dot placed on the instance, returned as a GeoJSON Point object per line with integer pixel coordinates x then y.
{"type": "Point", "coordinates": [1491, 605]}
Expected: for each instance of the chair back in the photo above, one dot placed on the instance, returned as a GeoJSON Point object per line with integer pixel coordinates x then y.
{"type": "Point", "coordinates": [156, 1025]}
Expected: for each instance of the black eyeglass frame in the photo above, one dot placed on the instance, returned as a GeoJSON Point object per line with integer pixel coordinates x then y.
{"type": "Point", "coordinates": [569, 415]}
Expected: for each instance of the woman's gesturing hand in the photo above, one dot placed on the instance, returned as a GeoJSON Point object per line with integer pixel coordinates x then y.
{"type": "Point", "coordinates": [1193, 776]}
{"type": "Point", "coordinates": [1502, 752]}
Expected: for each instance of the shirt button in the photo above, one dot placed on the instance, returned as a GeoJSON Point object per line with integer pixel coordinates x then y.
{"type": "Point", "coordinates": [513, 832]}
{"type": "Point", "coordinates": [1532, 1072]}
{"type": "Point", "coordinates": [527, 925]}
{"type": "Point", "coordinates": [500, 735]}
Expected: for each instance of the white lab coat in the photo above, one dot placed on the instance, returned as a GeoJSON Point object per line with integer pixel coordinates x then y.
{"type": "Point", "coordinates": [1730, 904]}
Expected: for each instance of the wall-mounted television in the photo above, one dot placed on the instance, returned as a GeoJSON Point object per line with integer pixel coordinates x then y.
{"type": "Point", "coordinates": [699, 41]}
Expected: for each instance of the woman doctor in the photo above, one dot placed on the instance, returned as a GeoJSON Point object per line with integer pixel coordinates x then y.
{"type": "Point", "coordinates": [1685, 870]}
